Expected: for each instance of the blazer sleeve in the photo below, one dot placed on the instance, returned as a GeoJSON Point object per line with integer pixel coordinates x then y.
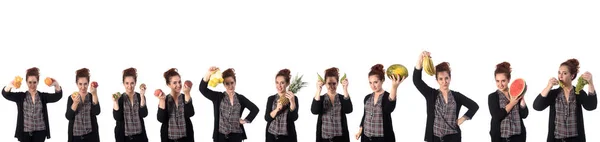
{"type": "Point", "coordinates": [189, 109]}
{"type": "Point", "coordinates": [118, 114]}
{"type": "Point", "coordinates": [162, 114]}
{"type": "Point", "coordinates": [540, 103]}
{"type": "Point", "coordinates": [207, 93]}
{"type": "Point", "coordinates": [143, 109]}
{"type": "Point", "coordinates": [498, 113]}
{"type": "Point", "coordinates": [346, 104]}
{"type": "Point", "coordinates": [13, 96]}
{"type": "Point", "coordinates": [388, 106]}
{"type": "Point", "coordinates": [268, 109]}
{"type": "Point", "coordinates": [96, 109]}
{"type": "Point", "coordinates": [362, 120]}
{"type": "Point", "coordinates": [589, 102]}
{"type": "Point", "coordinates": [251, 106]}
{"type": "Point", "coordinates": [425, 90]}
{"type": "Point", "coordinates": [316, 106]}
{"type": "Point", "coordinates": [470, 104]}
{"type": "Point", "coordinates": [70, 113]}
{"type": "Point", "coordinates": [523, 111]}
{"type": "Point", "coordinates": [52, 97]}
{"type": "Point", "coordinates": [293, 115]}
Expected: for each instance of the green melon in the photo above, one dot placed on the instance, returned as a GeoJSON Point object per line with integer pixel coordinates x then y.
{"type": "Point", "coordinates": [397, 69]}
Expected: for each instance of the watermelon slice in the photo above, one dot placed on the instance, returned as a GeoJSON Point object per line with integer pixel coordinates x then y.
{"type": "Point", "coordinates": [518, 87]}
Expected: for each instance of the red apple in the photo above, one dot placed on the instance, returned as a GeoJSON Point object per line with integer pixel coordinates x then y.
{"type": "Point", "coordinates": [188, 83]}
{"type": "Point", "coordinates": [158, 92]}
{"type": "Point", "coordinates": [95, 84]}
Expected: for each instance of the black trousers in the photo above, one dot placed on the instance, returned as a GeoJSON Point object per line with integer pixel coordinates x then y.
{"type": "Point", "coordinates": [136, 138]}
{"type": "Point", "coordinates": [571, 139]}
{"type": "Point", "coordinates": [233, 137]}
{"type": "Point", "coordinates": [37, 136]}
{"type": "Point", "coordinates": [515, 138]}
{"type": "Point", "coordinates": [278, 138]}
{"type": "Point", "coordinates": [364, 138]}
{"type": "Point", "coordinates": [85, 138]}
{"type": "Point", "coordinates": [184, 139]}
{"type": "Point", "coordinates": [448, 138]}
{"type": "Point", "coordinates": [334, 139]}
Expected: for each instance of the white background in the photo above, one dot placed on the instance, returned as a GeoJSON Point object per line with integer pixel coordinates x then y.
{"type": "Point", "coordinates": [259, 38]}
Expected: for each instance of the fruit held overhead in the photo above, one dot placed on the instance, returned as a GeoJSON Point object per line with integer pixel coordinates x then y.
{"type": "Point", "coordinates": [157, 92]}
{"type": "Point", "coordinates": [94, 84]}
{"type": "Point", "coordinates": [215, 79]}
{"type": "Point", "coordinates": [48, 81]}
{"type": "Point", "coordinates": [518, 87]}
{"type": "Point", "coordinates": [397, 69]}
{"type": "Point", "coordinates": [428, 66]}
{"type": "Point", "coordinates": [17, 82]}
{"type": "Point", "coordinates": [188, 83]}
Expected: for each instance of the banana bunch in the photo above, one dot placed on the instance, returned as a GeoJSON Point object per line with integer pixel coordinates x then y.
{"type": "Point", "coordinates": [294, 87]}
{"type": "Point", "coordinates": [580, 83]}
{"type": "Point", "coordinates": [116, 95]}
{"type": "Point", "coordinates": [428, 66]}
{"type": "Point", "coordinates": [215, 79]}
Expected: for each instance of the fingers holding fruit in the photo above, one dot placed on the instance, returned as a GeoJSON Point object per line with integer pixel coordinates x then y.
{"type": "Point", "coordinates": [75, 97]}
{"type": "Point", "coordinates": [158, 93]}
{"type": "Point", "coordinates": [187, 86]}
{"type": "Point", "coordinates": [94, 87]}
{"type": "Point", "coordinates": [116, 96]}
{"type": "Point", "coordinates": [142, 89]}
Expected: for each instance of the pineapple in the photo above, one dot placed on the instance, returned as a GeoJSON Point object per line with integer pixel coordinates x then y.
{"type": "Point", "coordinates": [294, 87]}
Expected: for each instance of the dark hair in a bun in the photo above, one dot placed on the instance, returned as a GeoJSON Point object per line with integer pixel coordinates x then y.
{"type": "Point", "coordinates": [170, 73]}
{"type": "Point", "coordinates": [443, 67]}
{"type": "Point", "coordinates": [504, 68]}
{"type": "Point", "coordinates": [33, 72]}
{"type": "Point", "coordinates": [332, 72]}
{"type": "Point", "coordinates": [285, 73]}
{"type": "Point", "coordinates": [230, 72]}
{"type": "Point", "coordinates": [130, 72]}
{"type": "Point", "coordinates": [83, 72]}
{"type": "Point", "coordinates": [378, 71]}
{"type": "Point", "coordinates": [573, 65]}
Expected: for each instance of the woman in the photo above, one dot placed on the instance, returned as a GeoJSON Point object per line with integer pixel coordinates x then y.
{"type": "Point", "coordinates": [507, 112]}
{"type": "Point", "coordinates": [82, 109]}
{"type": "Point", "coordinates": [443, 104]}
{"type": "Point", "coordinates": [566, 117]}
{"type": "Point", "coordinates": [281, 117]}
{"type": "Point", "coordinates": [228, 107]}
{"type": "Point", "coordinates": [376, 123]}
{"type": "Point", "coordinates": [129, 110]}
{"type": "Point", "coordinates": [331, 109]}
{"type": "Point", "coordinates": [175, 110]}
{"type": "Point", "coordinates": [32, 116]}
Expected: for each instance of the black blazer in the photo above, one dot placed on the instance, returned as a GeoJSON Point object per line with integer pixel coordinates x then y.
{"type": "Point", "coordinates": [19, 97]}
{"type": "Point", "coordinates": [430, 95]}
{"type": "Point", "coordinates": [292, 116]}
{"type": "Point", "coordinates": [387, 108]}
{"type": "Point", "coordinates": [498, 114]}
{"type": "Point", "coordinates": [120, 119]}
{"type": "Point", "coordinates": [317, 108]}
{"type": "Point", "coordinates": [216, 98]}
{"type": "Point", "coordinates": [588, 102]}
{"type": "Point", "coordinates": [163, 117]}
{"type": "Point", "coordinates": [70, 115]}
